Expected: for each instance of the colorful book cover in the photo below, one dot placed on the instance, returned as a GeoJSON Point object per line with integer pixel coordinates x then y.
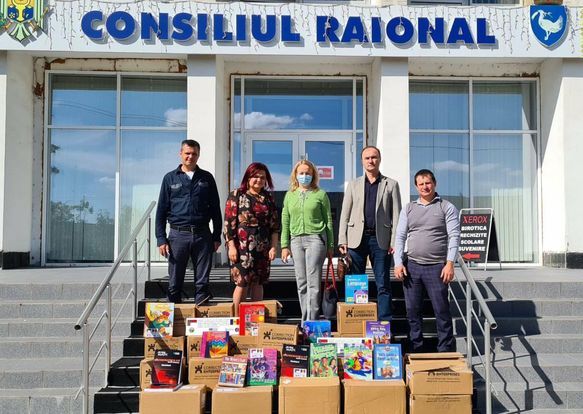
{"type": "Point", "coordinates": [233, 370]}
{"type": "Point", "coordinates": [214, 344]}
{"type": "Point", "coordinates": [250, 316]}
{"type": "Point", "coordinates": [158, 319]}
{"type": "Point", "coordinates": [356, 288]}
{"type": "Point", "coordinates": [197, 326]}
{"type": "Point", "coordinates": [342, 342]}
{"type": "Point", "coordinates": [388, 361]}
{"type": "Point", "coordinates": [317, 329]}
{"type": "Point", "coordinates": [379, 331]}
{"type": "Point", "coordinates": [295, 361]}
{"type": "Point", "coordinates": [262, 368]}
{"type": "Point", "coordinates": [167, 369]}
{"type": "Point", "coordinates": [323, 360]}
{"type": "Point", "coordinates": [358, 362]}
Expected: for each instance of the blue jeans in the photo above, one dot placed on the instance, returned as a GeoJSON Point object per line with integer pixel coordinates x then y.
{"type": "Point", "coordinates": [184, 246]}
{"type": "Point", "coordinates": [381, 266]}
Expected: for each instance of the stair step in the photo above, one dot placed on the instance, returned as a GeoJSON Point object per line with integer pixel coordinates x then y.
{"type": "Point", "coordinates": [511, 325]}
{"type": "Point", "coordinates": [61, 291]}
{"type": "Point", "coordinates": [50, 328]}
{"type": "Point", "coordinates": [28, 309]}
{"type": "Point", "coordinates": [41, 400]}
{"type": "Point", "coordinates": [54, 347]}
{"type": "Point", "coordinates": [117, 400]}
{"type": "Point", "coordinates": [531, 344]}
{"type": "Point", "coordinates": [46, 373]}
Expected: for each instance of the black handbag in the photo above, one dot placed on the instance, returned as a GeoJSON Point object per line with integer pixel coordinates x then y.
{"type": "Point", "coordinates": [330, 293]}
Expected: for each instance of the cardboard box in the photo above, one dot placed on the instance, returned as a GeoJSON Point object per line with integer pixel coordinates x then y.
{"type": "Point", "coordinates": [351, 315]}
{"type": "Point", "coordinates": [204, 371]}
{"type": "Point", "coordinates": [240, 344]}
{"type": "Point", "coordinates": [189, 399]}
{"type": "Point", "coordinates": [363, 397]}
{"type": "Point", "coordinates": [273, 308]}
{"type": "Point", "coordinates": [248, 400]}
{"type": "Point", "coordinates": [169, 342]}
{"type": "Point", "coordinates": [215, 310]}
{"type": "Point", "coordinates": [309, 395]}
{"type": "Point", "coordinates": [193, 345]}
{"type": "Point", "coordinates": [443, 373]}
{"type": "Point", "coordinates": [146, 372]}
{"type": "Point", "coordinates": [181, 312]}
{"type": "Point", "coordinates": [275, 336]}
{"type": "Point", "coordinates": [440, 404]}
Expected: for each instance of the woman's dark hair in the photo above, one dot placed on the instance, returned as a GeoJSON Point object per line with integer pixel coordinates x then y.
{"type": "Point", "coordinates": [253, 169]}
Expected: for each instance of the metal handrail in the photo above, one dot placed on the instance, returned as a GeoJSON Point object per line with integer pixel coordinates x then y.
{"type": "Point", "coordinates": [470, 292]}
{"type": "Point", "coordinates": [106, 315]}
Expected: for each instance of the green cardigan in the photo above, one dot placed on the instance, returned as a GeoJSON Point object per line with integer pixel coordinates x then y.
{"type": "Point", "coordinates": [309, 215]}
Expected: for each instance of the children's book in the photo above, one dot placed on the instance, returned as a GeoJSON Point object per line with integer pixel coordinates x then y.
{"type": "Point", "coordinates": [358, 362]}
{"type": "Point", "coordinates": [167, 369]}
{"type": "Point", "coordinates": [295, 361]}
{"type": "Point", "coordinates": [356, 288]}
{"type": "Point", "coordinates": [379, 331]}
{"type": "Point", "coordinates": [158, 319]}
{"type": "Point", "coordinates": [323, 360]}
{"type": "Point", "coordinates": [214, 344]}
{"type": "Point", "coordinates": [342, 342]}
{"type": "Point", "coordinates": [388, 361]}
{"type": "Point", "coordinates": [262, 367]}
{"type": "Point", "coordinates": [316, 329]}
{"type": "Point", "coordinates": [250, 316]}
{"type": "Point", "coordinates": [197, 326]}
{"type": "Point", "coordinates": [233, 370]}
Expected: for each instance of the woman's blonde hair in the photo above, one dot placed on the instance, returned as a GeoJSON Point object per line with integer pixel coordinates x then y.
{"type": "Point", "coordinates": [293, 181]}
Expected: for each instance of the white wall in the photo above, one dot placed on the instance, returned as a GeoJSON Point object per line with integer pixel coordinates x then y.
{"type": "Point", "coordinates": [16, 132]}
{"type": "Point", "coordinates": [389, 95]}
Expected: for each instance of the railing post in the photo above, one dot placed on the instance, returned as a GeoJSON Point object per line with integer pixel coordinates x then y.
{"type": "Point", "coordinates": [149, 248]}
{"type": "Point", "coordinates": [85, 368]}
{"type": "Point", "coordinates": [108, 331]}
{"type": "Point", "coordinates": [469, 324]}
{"type": "Point", "coordinates": [135, 283]}
{"type": "Point", "coordinates": [488, 365]}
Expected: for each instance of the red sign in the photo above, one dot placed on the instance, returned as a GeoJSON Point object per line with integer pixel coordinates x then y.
{"type": "Point", "coordinates": [326, 172]}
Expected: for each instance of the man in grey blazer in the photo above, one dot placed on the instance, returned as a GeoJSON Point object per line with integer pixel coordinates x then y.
{"type": "Point", "coordinates": [368, 225]}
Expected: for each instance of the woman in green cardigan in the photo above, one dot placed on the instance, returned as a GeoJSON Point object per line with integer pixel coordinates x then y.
{"type": "Point", "coordinates": [306, 228]}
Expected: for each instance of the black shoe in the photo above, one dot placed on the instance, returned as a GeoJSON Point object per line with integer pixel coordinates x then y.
{"type": "Point", "coordinates": [205, 299]}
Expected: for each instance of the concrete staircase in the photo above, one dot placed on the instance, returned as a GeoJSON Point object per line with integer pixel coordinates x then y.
{"type": "Point", "coordinates": [40, 352]}
{"type": "Point", "coordinates": [538, 361]}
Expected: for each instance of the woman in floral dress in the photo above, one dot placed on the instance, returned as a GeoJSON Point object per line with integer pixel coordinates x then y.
{"type": "Point", "coordinates": [251, 232]}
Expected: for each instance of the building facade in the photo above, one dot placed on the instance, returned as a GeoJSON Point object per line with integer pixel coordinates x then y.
{"type": "Point", "coordinates": [97, 96]}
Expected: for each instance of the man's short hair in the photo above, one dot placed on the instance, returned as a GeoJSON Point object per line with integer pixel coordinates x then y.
{"type": "Point", "coordinates": [425, 173]}
{"type": "Point", "coordinates": [190, 143]}
{"type": "Point", "coordinates": [370, 147]}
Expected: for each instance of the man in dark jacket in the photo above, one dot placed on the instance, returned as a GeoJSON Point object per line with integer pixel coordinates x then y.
{"type": "Point", "coordinates": [188, 201]}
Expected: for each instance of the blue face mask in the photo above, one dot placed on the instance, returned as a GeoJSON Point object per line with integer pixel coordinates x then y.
{"type": "Point", "coordinates": [304, 180]}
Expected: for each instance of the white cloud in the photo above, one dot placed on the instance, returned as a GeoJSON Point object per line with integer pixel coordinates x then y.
{"type": "Point", "coordinates": [259, 120]}
{"type": "Point", "coordinates": [175, 117]}
{"type": "Point", "coordinates": [106, 180]}
{"type": "Point", "coordinates": [451, 165]}
{"type": "Point", "coordinates": [306, 117]}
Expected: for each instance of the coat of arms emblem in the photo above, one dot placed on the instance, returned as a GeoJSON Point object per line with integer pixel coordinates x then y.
{"type": "Point", "coordinates": [20, 18]}
{"type": "Point", "coordinates": [548, 23]}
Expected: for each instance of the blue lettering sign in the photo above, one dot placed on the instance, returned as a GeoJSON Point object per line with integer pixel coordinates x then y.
{"type": "Point", "coordinates": [113, 25]}
{"type": "Point", "coordinates": [483, 36]}
{"type": "Point", "coordinates": [202, 24]}
{"type": "Point", "coordinates": [149, 25]}
{"type": "Point", "coordinates": [400, 30]}
{"type": "Point", "coordinates": [460, 32]}
{"type": "Point", "coordinates": [426, 30]}
{"type": "Point", "coordinates": [241, 34]}
{"type": "Point", "coordinates": [287, 34]}
{"type": "Point", "coordinates": [87, 24]}
{"type": "Point", "coordinates": [354, 30]}
{"type": "Point", "coordinates": [326, 27]}
{"type": "Point", "coordinates": [256, 31]}
{"type": "Point", "coordinates": [220, 34]}
{"type": "Point", "coordinates": [376, 30]}
{"type": "Point", "coordinates": [182, 24]}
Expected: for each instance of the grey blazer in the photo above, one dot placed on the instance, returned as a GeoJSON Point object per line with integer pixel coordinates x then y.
{"type": "Point", "coordinates": [387, 213]}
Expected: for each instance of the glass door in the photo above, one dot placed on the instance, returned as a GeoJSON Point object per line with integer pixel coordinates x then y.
{"type": "Point", "coordinates": [330, 152]}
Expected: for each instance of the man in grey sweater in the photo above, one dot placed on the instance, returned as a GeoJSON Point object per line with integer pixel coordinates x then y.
{"type": "Point", "coordinates": [430, 227]}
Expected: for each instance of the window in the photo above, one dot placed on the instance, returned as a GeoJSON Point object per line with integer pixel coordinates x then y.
{"type": "Point", "coordinates": [480, 138]}
{"type": "Point", "coordinates": [101, 127]}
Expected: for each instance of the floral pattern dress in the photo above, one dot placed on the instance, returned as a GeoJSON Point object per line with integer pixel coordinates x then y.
{"type": "Point", "coordinates": [250, 222]}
